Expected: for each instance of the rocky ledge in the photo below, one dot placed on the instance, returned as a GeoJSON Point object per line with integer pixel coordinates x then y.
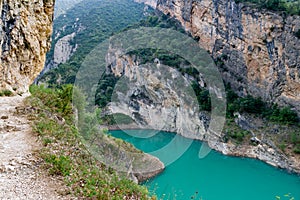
{"type": "Point", "coordinates": [261, 152]}
{"type": "Point", "coordinates": [124, 158]}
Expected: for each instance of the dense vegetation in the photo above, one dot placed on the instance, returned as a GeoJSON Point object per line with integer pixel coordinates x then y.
{"type": "Point", "coordinates": [62, 6]}
{"type": "Point", "coordinates": [64, 154]}
{"type": "Point", "coordinates": [93, 21]}
{"type": "Point", "coordinates": [105, 90]}
{"type": "Point", "coordinates": [291, 7]}
{"type": "Point", "coordinates": [250, 104]}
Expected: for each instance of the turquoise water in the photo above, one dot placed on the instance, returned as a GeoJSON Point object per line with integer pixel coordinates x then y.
{"type": "Point", "coordinates": [215, 177]}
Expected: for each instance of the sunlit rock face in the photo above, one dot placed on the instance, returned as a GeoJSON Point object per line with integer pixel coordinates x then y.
{"type": "Point", "coordinates": [257, 49]}
{"type": "Point", "coordinates": [25, 31]}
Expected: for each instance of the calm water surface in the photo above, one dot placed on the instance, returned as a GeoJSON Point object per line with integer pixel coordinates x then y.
{"type": "Point", "coordinates": [215, 177]}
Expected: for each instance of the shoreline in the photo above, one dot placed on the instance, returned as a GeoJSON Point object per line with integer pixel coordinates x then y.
{"type": "Point", "coordinates": [260, 152]}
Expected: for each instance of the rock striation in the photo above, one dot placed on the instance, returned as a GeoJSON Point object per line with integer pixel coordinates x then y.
{"type": "Point", "coordinates": [156, 97]}
{"type": "Point", "coordinates": [257, 50]}
{"type": "Point", "coordinates": [25, 32]}
{"type": "Point", "coordinates": [153, 102]}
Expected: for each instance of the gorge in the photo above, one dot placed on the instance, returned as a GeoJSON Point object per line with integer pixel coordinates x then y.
{"type": "Point", "coordinates": [256, 51]}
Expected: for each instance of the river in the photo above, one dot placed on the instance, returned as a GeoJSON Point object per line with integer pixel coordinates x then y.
{"type": "Point", "coordinates": [215, 177]}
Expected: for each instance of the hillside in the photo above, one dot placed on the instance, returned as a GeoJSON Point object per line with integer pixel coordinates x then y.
{"type": "Point", "coordinates": [62, 6]}
{"type": "Point", "coordinates": [81, 29]}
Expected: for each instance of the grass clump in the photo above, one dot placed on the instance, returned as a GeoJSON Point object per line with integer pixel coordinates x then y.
{"type": "Point", "coordinates": [6, 93]}
{"type": "Point", "coordinates": [64, 154]}
{"type": "Point", "coordinates": [59, 165]}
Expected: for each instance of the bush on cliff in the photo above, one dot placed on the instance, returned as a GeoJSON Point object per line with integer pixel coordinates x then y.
{"type": "Point", "coordinates": [282, 115]}
{"type": "Point", "coordinates": [250, 104]}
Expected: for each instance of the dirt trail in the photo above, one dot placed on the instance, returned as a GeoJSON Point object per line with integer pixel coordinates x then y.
{"type": "Point", "coordinates": [20, 174]}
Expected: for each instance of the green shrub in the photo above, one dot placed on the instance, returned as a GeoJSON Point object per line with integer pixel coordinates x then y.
{"type": "Point", "coordinates": [6, 93]}
{"type": "Point", "coordinates": [254, 105]}
{"type": "Point", "coordinates": [237, 135]}
{"type": "Point", "coordinates": [282, 146]}
{"type": "Point", "coordinates": [47, 141]}
{"type": "Point", "coordinates": [203, 97]}
{"type": "Point", "coordinates": [295, 138]}
{"type": "Point", "coordinates": [59, 165]}
{"type": "Point", "coordinates": [117, 118]}
{"type": "Point", "coordinates": [251, 105]}
{"type": "Point", "coordinates": [105, 90]}
{"type": "Point", "coordinates": [284, 115]}
{"type": "Point", "coordinates": [56, 99]}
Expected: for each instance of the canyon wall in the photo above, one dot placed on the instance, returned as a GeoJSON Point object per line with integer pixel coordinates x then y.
{"type": "Point", "coordinates": [157, 97]}
{"type": "Point", "coordinates": [257, 53]}
{"type": "Point", "coordinates": [257, 50]}
{"type": "Point", "coordinates": [25, 31]}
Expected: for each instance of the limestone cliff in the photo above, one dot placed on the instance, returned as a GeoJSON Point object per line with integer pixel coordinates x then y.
{"type": "Point", "coordinates": [156, 97]}
{"type": "Point", "coordinates": [25, 31]}
{"type": "Point", "coordinates": [257, 50]}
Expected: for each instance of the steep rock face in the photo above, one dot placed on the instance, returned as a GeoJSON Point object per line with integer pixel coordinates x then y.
{"type": "Point", "coordinates": [63, 50]}
{"type": "Point", "coordinates": [62, 46]}
{"type": "Point", "coordinates": [155, 96]}
{"type": "Point", "coordinates": [25, 31]}
{"type": "Point", "coordinates": [258, 50]}
{"type": "Point", "coordinates": [149, 94]}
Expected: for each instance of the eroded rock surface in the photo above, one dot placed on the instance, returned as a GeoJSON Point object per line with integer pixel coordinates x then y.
{"type": "Point", "coordinates": [257, 49]}
{"type": "Point", "coordinates": [154, 97]}
{"type": "Point", "coordinates": [25, 31]}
